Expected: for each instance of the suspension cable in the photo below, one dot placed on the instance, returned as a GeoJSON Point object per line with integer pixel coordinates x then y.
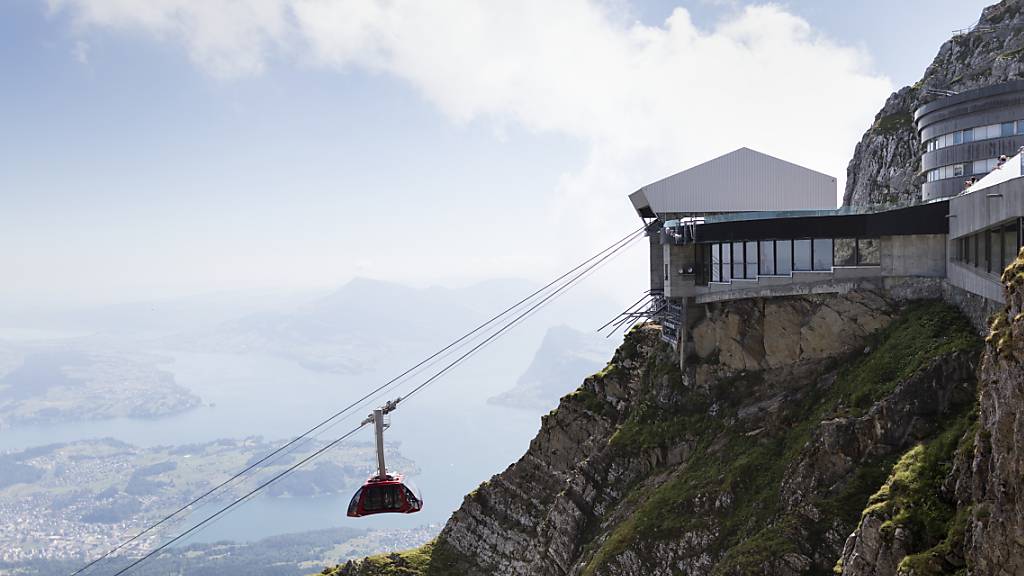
{"type": "Point", "coordinates": [515, 321]}
{"type": "Point", "coordinates": [502, 330]}
{"type": "Point", "coordinates": [611, 249]}
{"type": "Point", "coordinates": [239, 500]}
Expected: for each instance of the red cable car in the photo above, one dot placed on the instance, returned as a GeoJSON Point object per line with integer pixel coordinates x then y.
{"type": "Point", "coordinates": [392, 494]}
{"type": "Point", "coordinates": [384, 493]}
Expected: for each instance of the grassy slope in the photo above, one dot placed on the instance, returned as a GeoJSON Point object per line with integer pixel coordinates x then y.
{"type": "Point", "coordinates": [751, 469]}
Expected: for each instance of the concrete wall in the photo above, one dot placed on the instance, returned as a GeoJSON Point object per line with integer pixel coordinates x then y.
{"type": "Point", "coordinates": [680, 259]}
{"type": "Point", "coordinates": [979, 210]}
{"type": "Point", "coordinates": [917, 255]}
{"type": "Point", "coordinates": [975, 281]}
{"type": "Point", "coordinates": [657, 264]}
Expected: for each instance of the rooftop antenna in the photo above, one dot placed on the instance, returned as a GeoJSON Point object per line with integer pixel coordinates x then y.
{"type": "Point", "coordinates": [938, 92]}
{"type": "Point", "coordinates": [973, 28]}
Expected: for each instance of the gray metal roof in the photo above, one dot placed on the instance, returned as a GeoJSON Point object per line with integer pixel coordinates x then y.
{"type": "Point", "coordinates": [743, 180]}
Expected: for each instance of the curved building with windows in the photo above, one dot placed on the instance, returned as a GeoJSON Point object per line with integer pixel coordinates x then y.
{"type": "Point", "coordinates": [747, 225]}
{"type": "Point", "coordinates": [964, 135]}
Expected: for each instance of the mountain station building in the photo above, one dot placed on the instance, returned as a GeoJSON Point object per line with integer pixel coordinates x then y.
{"type": "Point", "coordinates": [747, 224]}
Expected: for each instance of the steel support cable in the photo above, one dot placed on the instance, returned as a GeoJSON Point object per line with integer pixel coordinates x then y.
{"type": "Point", "coordinates": [629, 309]}
{"type": "Point", "coordinates": [615, 245]}
{"type": "Point", "coordinates": [239, 500]}
{"type": "Point", "coordinates": [626, 317]}
{"type": "Point", "coordinates": [587, 273]}
{"type": "Point", "coordinates": [502, 330]}
{"type": "Point", "coordinates": [513, 322]}
{"type": "Point", "coordinates": [506, 328]}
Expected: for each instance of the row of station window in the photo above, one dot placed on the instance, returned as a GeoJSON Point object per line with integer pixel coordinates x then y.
{"type": "Point", "coordinates": [964, 169]}
{"type": "Point", "coordinates": [990, 250]}
{"type": "Point", "coordinates": [975, 134]}
{"type": "Point", "coordinates": [748, 260]}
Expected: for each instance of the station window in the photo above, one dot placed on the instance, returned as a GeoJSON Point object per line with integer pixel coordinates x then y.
{"type": "Point", "coordinates": [716, 262]}
{"type": "Point", "coordinates": [752, 259]}
{"type": "Point", "coordinates": [783, 257]}
{"type": "Point", "coordinates": [989, 131]}
{"type": "Point", "coordinates": [995, 250]}
{"type": "Point", "coordinates": [868, 253]}
{"type": "Point", "coordinates": [802, 255]}
{"type": "Point", "coordinates": [822, 254]}
{"type": "Point", "coordinates": [845, 252]}
{"type": "Point", "coordinates": [766, 257]}
{"type": "Point", "coordinates": [726, 262]}
{"type": "Point", "coordinates": [990, 250]}
{"type": "Point", "coordinates": [737, 260]}
{"type": "Point", "coordinates": [1010, 245]}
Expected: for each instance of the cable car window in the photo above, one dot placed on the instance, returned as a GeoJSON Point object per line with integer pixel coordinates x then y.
{"type": "Point", "coordinates": [412, 499]}
{"type": "Point", "coordinates": [354, 504]}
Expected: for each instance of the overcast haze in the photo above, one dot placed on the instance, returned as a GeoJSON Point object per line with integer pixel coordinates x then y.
{"type": "Point", "coordinates": [170, 147]}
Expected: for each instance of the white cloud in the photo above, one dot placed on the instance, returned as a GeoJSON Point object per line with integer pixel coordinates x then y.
{"type": "Point", "coordinates": [646, 101]}
{"type": "Point", "coordinates": [227, 37]}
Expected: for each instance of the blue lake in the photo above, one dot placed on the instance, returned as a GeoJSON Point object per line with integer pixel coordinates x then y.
{"type": "Point", "coordinates": [456, 439]}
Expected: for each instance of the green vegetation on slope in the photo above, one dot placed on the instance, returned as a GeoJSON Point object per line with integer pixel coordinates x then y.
{"type": "Point", "coordinates": [925, 331]}
{"type": "Point", "coordinates": [433, 558]}
{"type": "Point", "coordinates": [1000, 335]}
{"type": "Point", "coordinates": [746, 467]}
{"type": "Point", "coordinates": [912, 499]}
{"type": "Point", "coordinates": [408, 563]}
{"type": "Point", "coordinates": [750, 468]}
{"type": "Point", "coordinates": [893, 123]}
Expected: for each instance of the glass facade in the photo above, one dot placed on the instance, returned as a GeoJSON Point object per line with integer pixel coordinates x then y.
{"type": "Point", "coordinates": [751, 253]}
{"type": "Point", "coordinates": [737, 260]}
{"type": "Point", "coordinates": [716, 263]}
{"type": "Point", "coordinates": [726, 261]}
{"type": "Point", "coordinates": [990, 250]}
{"type": "Point", "coordinates": [845, 252]}
{"type": "Point", "coordinates": [975, 134]}
{"type": "Point", "coordinates": [801, 255]}
{"type": "Point", "coordinates": [766, 258]}
{"type": "Point", "coordinates": [868, 252]}
{"type": "Point", "coordinates": [976, 168]}
{"type": "Point", "coordinates": [821, 254]}
{"type": "Point", "coordinates": [783, 257]}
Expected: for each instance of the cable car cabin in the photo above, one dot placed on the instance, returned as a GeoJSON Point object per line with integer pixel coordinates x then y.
{"type": "Point", "coordinates": [388, 495]}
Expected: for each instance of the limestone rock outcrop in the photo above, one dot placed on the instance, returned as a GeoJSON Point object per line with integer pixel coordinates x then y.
{"type": "Point", "coordinates": [995, 536]}
{"type": "Point", "coordinates": [956, 506]}
{"type": "Point", "coordinates": [756, 457]}
{"type": "Point", "coordinates": [885, 164]}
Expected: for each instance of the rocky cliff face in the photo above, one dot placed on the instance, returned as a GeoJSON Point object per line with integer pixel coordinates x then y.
{"type": "Point", "coordinates": [833, 434]}
{"type": "Point", "coordinates": [995, 534]}
{"type": "Point", "coordinates": [886, 161]}
{"type": "Point", "coordinates": [956, 505]}
{"type": "Point", "coordinates": [757, 458]}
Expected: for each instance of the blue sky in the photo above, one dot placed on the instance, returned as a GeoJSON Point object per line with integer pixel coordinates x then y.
{"type": "Point", "coordinates": [157, 149]}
